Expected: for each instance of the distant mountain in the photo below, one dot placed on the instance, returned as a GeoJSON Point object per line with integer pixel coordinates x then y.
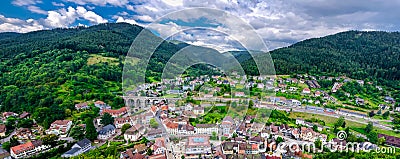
{"type": "Point", "coordinates": [357, 54]}
{"type": "Point", "coordinates": [113, 37]}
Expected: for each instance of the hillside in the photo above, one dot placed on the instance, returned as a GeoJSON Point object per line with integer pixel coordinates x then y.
{"type": "Point", "coordinates": [361, 55]}
{"type": "Point", "coordinates": [47, 72]}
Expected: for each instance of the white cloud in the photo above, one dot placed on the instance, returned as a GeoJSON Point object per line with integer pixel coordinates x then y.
{"type": "Point", "coordinates": [18, 25]}
{"type": "Point", "coordinates": [57, 4]}
{"type": "Point", "coordinates": [174, 3]}
{"type": "Point", "coordinates": [281, 23]}
{"type": "Point", "coordinates": [119, 3]}
{"type": "Point", "coordinates": [36, 9]}
{"type": "Point", "coordinates": [25, 2]}
{"type": "Point", "coordinates": [64, 18]}
{"type": "Point", "coordinates": [90, 15]}
{"type": "Point", "coordinates": [122, 20]}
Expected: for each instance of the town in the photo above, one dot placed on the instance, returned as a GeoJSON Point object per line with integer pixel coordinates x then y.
{"type": "Point", "coordinates": [216, 117]}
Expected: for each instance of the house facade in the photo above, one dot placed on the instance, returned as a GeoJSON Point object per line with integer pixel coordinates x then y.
{"type": "Point", "coordinates": [78, 148]}
{"type": "Point", "coordinates": [106, 132]}
{"type": "Point", "coordinates": [28, 149]}
{"type": "Point", "coordinates": [60, 127]}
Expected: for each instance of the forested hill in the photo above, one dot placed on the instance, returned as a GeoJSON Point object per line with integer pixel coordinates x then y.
{"type": "Point", "coordinates": [110, 37]}
{"type": "Point", "coordinates": [47, 72]}
{"type": "Point", "coordinates": [361, 55]}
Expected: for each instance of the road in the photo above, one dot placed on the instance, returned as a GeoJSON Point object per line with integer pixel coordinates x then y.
{"type": "Point", "coordinates": [8, 137]}
{"type": "Point", "coordinates": [302, 109]}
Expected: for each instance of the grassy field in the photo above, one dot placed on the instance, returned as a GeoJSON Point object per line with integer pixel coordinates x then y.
{"type": "Point", "coordinates": [94, 59]}
{"type": "Point", "coordinates": [131, 60]}
{"type": "Point", "coordinates": [330, 121]}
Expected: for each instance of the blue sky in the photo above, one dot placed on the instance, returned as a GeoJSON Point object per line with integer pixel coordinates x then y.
{"type": "Point", "coordinates": [279, 23]}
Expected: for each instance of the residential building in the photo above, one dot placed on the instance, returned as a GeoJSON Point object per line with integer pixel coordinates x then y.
{"type": "Point", "coordinates": [158, 156]}
{"type": "Point", "coordinates": [206, 129]}
{"type": "Point", "coordinates": [3, 130]}
{"type": "Point", "coordinates": [227, 126]}
{"type": "Point", "coordinates": [239, 94]}
{"type": "Point", "coordinates": [128, 154]}
{"type": "Point", "coordinates": [198, 110]}
{"type": "Point", "coordinates": [81, 106]}
{"type": "Point", "coordinates": [134, 133]}
{"type": "Point", "coordinates": [24, 134]}
{"type": "Point", "coordinates": [115, 113]}
{"type": "Point", "coordinates": [172, 128]}
{"type": "Point", "coordinates": [159, 146]}
{"type": "Point", "coordinates": [120, 121]}
{"type": "Point", "coordinates": [101, 105]}
{"type": "Point", "coordinates": [24, 115]}
{"type": "Point", "coordinates": [60, 127]}
{"type": "Point", "coordinates": [78, 148]}
{"type": "Point", "coordinates": [230, 148]}
{"type": "Point", "coordinates": [106, 132]}
{"type": "Point", "coordinates": [4, 154]}
{"type": "Point", "coordinates": [306, 91]}
{"type": "Point", "coordinates": [9, 114]}
{"type": "Point", "coordinates": [197, 145]}
{"type": "Point", "coordinates": [153, 134]}
{"type": "Point", "coordinates": [28, 149]}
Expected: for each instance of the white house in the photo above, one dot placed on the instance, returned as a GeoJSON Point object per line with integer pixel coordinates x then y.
{"type": "Point", "coordinates": [28, 149]}
{"type": "Point", "coordinates": [198, 110]}
{"type": "Point", "coordinates": [159, 146]}
{"type": "Point", "coordinates": [60, 127]}
{"type": "Point", "coordinates": [78, 148]}
{"type": "Point", "coordinates": [206, 129]}
{"type": "Point", "coordinates": [106, 132]}
{"type": "Point", "coordinates": [134, 133]}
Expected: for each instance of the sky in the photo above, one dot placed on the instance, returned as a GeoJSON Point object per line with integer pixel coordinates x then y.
{"type": "Point", "coordinates": [278, 23]}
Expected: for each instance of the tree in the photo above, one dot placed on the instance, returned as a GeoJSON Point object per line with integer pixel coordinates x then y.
{"type": "Point", "coordinates": [6, 145]}
{"type": "Point", "coordinates": [315, 128]}
{"type": "Point", "coordinates": [347, 130]}
{"type": "Point", "coordinates": [107, 119]}
{"type": "Point", "coordinates": [91, 132]}
{"type": "Point", "coordinates": [214, 136]}
{"type": "Point", "coordinates": [234, 104]}
{"type": "Point", "coordinates": [373, 137]}
{"type": "Point", "coordinates": [279, 140]}
{"type": "Point", "coordinates": [77, 133]}
{"type": "Point", "coordinates": [50, 139]}
{"type": "Point", "coordinates": [125, 127]}
{"type": "Point", "coordinates": [234, 135]}
{"type": "Point", "coordinates": [25, 123]}
{"type": "Point", "coordinates": [149, 152]}
{"type": "Point", "coordinates": [381, 141]}
{"type": "Point", "coordinates": [251, 103]}
{"type": "Point", "coordinates": [339, 123]}
{"type": "Point", "coordinates": [369, 127]}
{"type": "Point", "coordinates": [14, 141]}
{"type": "Point", "coordinates": [386, 115]}
{"type": "Point", "coordinates": [153, 123]}
{"type": "Point", "coordinates": [318, 143]}
{"type": "Point", "coordinates": [379, 112]}
{"type": "Point", "coordinates": [371, 113]}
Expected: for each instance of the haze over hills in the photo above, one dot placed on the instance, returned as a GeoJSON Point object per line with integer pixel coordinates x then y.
{"type": "Point", "coordinates": [49, 71]}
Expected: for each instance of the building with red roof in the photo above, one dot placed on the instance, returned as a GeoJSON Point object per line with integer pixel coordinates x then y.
{"type": "Point", "coordinates": [28, 149]}
{"type": "Point", "coordinates": [60, 127]}
{"type": "Point", "coordinates": [117, 112]}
